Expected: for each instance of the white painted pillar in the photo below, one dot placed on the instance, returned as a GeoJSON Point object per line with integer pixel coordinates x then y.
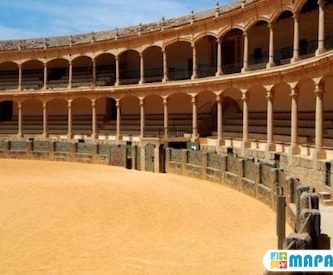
{"type": "Point", "coordinates": [70, 119]}
{"type": "Point", "coordinates": [45, 76]}
{"type": "Point", "coordinates": [246, 52]}
{"type": "Point", "coordinates": [295, 150]}
{"type": "Point", "coordinates": [271, 62]}
{"type": "Point", "coordinates": [45, 134]}
{"type": "Point", "coordinates": [142, 69]}
{"type": "Point", "coordinates": [321, 28]}
{"type": "Point", "coordinates": [70, 74]}
{"type": "Point", "coordinates": [117, 71]}
{"type": "Point", "coordinates": [296, 39]}
{"type": "Point", "coordinates": [94, 119]}
{"type": "Point", "coordinates": [270, 121]}
{"type": "Point", "coordinates": [320, 153]}
{"type": "Point", "coordinates": [194, 69]}
{"type": "Point", "coordinates": [219, 119]}
{"type": "Point", "coordinates": [166, 118]}
{"type": "Point", "coordinates": [165, 66]}
{"type": "Point", "coordinates": [118, 134]}
{"type": "Point", "coordinates": [20, 77]}
{"type": "Point", "coordinates": [142, 117]}
{"type": "Point", "coordinates": [20, 119]}
{"type": "Point", "coordinates": [194, 118]}
{"type": "Point", "coordinates": [219, 58]}
{"type": "Point", "coordinates": [246, 143]}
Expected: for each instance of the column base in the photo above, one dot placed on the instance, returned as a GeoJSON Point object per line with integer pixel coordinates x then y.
{"type": "Point", "coordinates": [319, 154]}
{"type": "Point", "coordinates": [194, 77]}
{"type": "Point", "coordinates": [220, 142]}
{"type": "Point", "coordinates": [294, 59]}
{"type": "Point", "coordinates": [294, 150]}
{"type": "Point", "coordinates": [117, 84]}
{"type": "Point", "coordinates": [141, 82]}
{"type": "Point", "coordinates": [245, 69]}
{"type": "Point", "coordinates": [219, 74]}
{"type": "Point", "coordinates": [270, 65]}
{"type": "Point", "coordinates": [270, 147]}
{"type": "Point", "coordinates": [19, 135]}
{"type": "Point", "coordinates": [165, 79]}
{"type": "Point", "coordinates": [319, 51]}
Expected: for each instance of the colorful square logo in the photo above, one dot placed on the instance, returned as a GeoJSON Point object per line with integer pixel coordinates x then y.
{"type": "Point", "coordinates": [279, 260]}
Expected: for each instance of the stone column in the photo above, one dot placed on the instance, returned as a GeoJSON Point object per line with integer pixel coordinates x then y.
{"type": "Point", "coordinates": [70, 120]}
{"type": "Point", "coordinates": [142, 117]}
{"type": "Point", "coordinates": [117, 71]}
{"type": "Point", "coordinates": [296, 39]}
{"type": "Point", "coordinates": [320, 153]}
{"type": "Point", "coordinates": [45, 119]}
{"type": "Point", "coordinates": [94, 119]}
{"type": "Point", "coordinates": [20, 119]}
{"type": "Point", "coordinates": [166, 118]}
{"type": "Point", "coordinates": [165, 66]}
{"type": "Point", "coordinates": [270, 121]}
{"type": "Point", "coordinates": [246, 52]}
{"type": "Point", "coordinates": [194, 118]}
{"type": "Point", "coordinates": [321, 28]}
{"type": "Point", "coordinates": [219, 121]}
{"type": "Point", "coordinates": [45, 76]}
{"type": "Point", "coordinates": [271, 62]}
{"type": "Point", "coordinates": [118, 135]}
{"type": "Point", "coordinates": [194, 70]}
{"type": "Point", "coordinates": [294, 150]}
{"type": "Point", "coordinates": [93, 72]}
{"type": "Point", "coordinates": [142, 69]}
{"type": "Point", "coordinates": [70, 75]}
{"type": "Point", "coordinates": [219, 58]}
{"type": "Point", "coordinates": [246, 143]}
{"type": "Point", "coordinates": [20, 77]}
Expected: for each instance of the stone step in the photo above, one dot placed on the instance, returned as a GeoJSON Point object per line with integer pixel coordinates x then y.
{"type": "Point", "coordinates": [327, 202]}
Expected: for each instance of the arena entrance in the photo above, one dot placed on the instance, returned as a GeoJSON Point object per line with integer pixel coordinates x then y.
{"type": "Point", "coordinates": [149, 157]}
{"type": "Point", "coordinates": [152, 156]}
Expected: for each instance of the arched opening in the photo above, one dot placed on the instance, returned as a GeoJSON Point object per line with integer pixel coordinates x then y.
{"type": "Point", "coordinates": [105, 70]}
{"type": "Point", "coordinates": [232, 113]}
{"type": "Point", "coordinates": [8, 117]}
{"type": "Point", "coordinates": [257, 108]}
{"type": "Point", "coordinates": [258, 36]}
{"type": "Point", "coordinates": [129, 62]}
{"type": "Point", "coordinates": [306, 111]}
{"type": "Point", "coordinates": [207, 119]}
{"type": "Point", "coordinates": [57, 117]}
{"type": "Point", "coordinates": [180, 60]}
{"type": "Point", "coordinates": [82, 117]}
{"type": "Point", "coordinates": [109, 122]}
{"type": "Point", "coordinates": [180, 115]}
{"type": "Point", "coordinates": [32, 112]}
{"type": "Point", "coordinates": [32, 75]}
{"type": "Point", "coordinates": [130, 116]}
{"type": "Point", "coordinates": [327, 83]}
{"type": "Point", "coordinates": [308, 29]}
{"type": "Point", "coordinates": [153, 64]}
{"type": "Point", "coordinates": [57, 73]}
{"type": "Point", "coordinates": [232, 51]}
{"type": "Point", "coordinates": [328, 8]}
{"type": "Point", "coordinates": [9, 76]}
{"type": "Point", "coordinates": [283, 38]}
{"type": "Point", "coordinates": [206, 49]}
{"type": "Point", "coordinates": [82, 72]}
{"type": "Point", "coordinates": [154, 118]}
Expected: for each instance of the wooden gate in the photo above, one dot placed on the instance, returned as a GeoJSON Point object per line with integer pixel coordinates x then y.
{"type": "Point", "coordinates": [149, 157]}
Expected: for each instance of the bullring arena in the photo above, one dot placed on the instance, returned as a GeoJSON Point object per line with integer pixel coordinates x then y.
{"type": "Point", "coordinates": [240, 98]}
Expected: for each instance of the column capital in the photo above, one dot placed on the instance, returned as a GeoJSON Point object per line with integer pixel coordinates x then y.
{"type": "Point", "coordinates": [45, 103]}
{"type": "Point", "coordinates": [165, 100]}
{"type": "Point", "coordinates": [320, 3]}
{"type": "Point", "coordinates": [193, 99]}
{"type": "Point", "coordinates": [295, 16]}
{"type": "Point", "coordinates": [245, 33]}
{"type": "Point", "coordinates": [319, 91]}
{"type": "Point", "coordinates": [19, 104]}
{"type": "Point", "coordinates": [245, 95]}
{"type": "Point", "coordinates": [270, 94]}
{"type": "Point", "coordinates": [294, 92]}
{"type": "Point", "coordinates": [142, 101]}
{"type": "Point", "coordinates": [93, 101]}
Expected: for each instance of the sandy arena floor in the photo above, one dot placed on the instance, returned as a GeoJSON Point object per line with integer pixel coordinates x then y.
{"type": "Point", "coordinates": [64, 218]}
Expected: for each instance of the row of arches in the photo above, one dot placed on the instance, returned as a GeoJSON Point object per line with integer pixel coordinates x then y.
{"type": "Point", "coordinates": [262, 44]}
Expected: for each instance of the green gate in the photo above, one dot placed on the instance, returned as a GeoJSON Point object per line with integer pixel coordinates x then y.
{"type": "Point", "coordinates": [149, 157]}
